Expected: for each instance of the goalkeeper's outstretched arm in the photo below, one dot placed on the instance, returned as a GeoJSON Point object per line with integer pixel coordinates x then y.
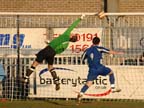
{"type": "Point", "coordinates": [65, 37]}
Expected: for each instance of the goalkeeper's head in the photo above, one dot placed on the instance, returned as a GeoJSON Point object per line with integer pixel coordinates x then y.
{"type": "Point", "coordinates": [73, 38]}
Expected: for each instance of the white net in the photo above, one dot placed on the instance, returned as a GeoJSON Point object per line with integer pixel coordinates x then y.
{"type": "Point", "coordinates": [123, 33]}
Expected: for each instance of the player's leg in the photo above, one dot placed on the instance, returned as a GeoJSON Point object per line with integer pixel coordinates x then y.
{"type": "Point", "coordinates": [50, 60]}
{"type": "Point", "coordinates": [32, 68]}
{"type": "Point", "coordinates": [29, 71]}
{"type": "Point", "coordinates": [55, 77]}
{"type": "Point", "coordinates": [83, 90]}
{"type": "Point", "coordinates": [91, 76]}
{"type": "Point", "coordinates": [112, 82]}
{"type": "Point", "coordinates": [40, 56]}
{"type": "Point", "coordinates": [107, 71]}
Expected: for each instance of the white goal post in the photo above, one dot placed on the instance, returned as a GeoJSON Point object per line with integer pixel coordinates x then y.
{"type": "Point", "coordinates": [70, 13]}
{"type": "Point", "coordinates": [118, 33]}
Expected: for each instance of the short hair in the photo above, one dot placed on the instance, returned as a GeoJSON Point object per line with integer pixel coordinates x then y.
{"type": "Point", "coordinates": [73, 38]}
{"type": "Point", "coordinates": [96, 40]}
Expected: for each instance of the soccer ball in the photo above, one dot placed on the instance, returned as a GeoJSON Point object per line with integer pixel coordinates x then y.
{"type": "Point", "coordinates": [101, 15]}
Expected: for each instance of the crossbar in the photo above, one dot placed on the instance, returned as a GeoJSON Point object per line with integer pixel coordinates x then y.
{"type": "Point", "coordinates": [73, 13]}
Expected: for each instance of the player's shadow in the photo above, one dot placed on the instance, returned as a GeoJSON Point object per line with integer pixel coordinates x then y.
{"type": "Point", "coordinates": [60, 103]}
{"type": "Point", "coordinates": [67, 103]}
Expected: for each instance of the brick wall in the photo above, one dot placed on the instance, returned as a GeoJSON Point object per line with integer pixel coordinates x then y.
{"type": "Point", "coordinates": [131, 5]}
{"type": "Point", "coordinates": [50, 5]}
{"type": "Point", "coordinates": [67, 5]}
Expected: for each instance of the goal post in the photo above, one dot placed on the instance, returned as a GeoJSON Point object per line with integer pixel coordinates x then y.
{"type": "Point", "coordinates": [117, 33]}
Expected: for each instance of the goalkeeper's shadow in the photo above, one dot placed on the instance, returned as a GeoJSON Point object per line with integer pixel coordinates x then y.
{"type": "Point", "coordinates": [61, 103]}
{"type": "Point", "coordinates": [70, 103]}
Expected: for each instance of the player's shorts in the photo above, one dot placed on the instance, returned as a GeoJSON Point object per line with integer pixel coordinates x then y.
{"type": "Point", "coordinates": [47, 54]}
{"type": "Point", "coordinates": [95, 72]}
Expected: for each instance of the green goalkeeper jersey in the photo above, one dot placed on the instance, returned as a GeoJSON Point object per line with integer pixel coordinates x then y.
{"type": "Point", "coordinates": [60, 43]}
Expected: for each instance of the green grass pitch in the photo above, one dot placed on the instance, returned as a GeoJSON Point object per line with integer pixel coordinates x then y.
{"type": "Point", "coordinates": [70, 104]}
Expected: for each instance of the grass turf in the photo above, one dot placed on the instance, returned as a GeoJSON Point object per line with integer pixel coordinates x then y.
{"type": "Point", "coordinates": [70, 104]}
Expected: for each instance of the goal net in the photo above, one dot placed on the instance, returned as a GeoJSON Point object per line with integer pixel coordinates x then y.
{"type": "Point", "coordinates": [24, 35]}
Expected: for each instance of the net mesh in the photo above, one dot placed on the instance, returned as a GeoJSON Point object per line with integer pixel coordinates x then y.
{"type": "Point", "coordinates": [123, 33]}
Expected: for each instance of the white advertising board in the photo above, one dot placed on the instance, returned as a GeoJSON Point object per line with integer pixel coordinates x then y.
{"type": "Point", "coordinates": [72, 77]}
{"type": "Point", "coordinates": [33, 39]}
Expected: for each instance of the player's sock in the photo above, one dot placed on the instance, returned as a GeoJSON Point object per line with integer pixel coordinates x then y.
{"type": "Point", "coordinates": [112, 79]}
{"type": "Point", "coordinates": [55, 78]}
{"type": "Point", "coordinates": [84, 89]}
{"type": "Point", "coordinates": [32, 67]}
{"type": "Point", "coordinates": [53, 73]}
{"type": "Point", "coordinates": [30, 71]}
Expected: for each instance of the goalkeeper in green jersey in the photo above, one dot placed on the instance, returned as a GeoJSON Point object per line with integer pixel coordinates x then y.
{"type": "Point", "coordinates": [56, 46]}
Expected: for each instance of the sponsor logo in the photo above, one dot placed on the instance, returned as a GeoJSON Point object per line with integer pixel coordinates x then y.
{"type": "Point", "coordinates": [8, 41]}
{"type": "Point", "coordinates": [99, 83]}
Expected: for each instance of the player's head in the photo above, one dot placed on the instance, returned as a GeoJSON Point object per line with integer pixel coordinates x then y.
{"type": "Point", "coordinates": [96, 40]}
{"type": "Point", "coordinates": [73, 38]}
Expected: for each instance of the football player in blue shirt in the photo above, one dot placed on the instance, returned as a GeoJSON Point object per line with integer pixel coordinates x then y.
{"type": "Point", "coordinates": [93, 55]}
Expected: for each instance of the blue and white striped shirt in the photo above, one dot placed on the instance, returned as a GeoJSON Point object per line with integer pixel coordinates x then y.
{"type": "Point", "coordinates": [94, 55]}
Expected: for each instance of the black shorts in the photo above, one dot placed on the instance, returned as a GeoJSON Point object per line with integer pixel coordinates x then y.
{"type": "Point", "coordinates": [47, 54]}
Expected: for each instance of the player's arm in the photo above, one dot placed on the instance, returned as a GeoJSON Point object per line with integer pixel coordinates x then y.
{"type": "Point", "coordinates": [61, 47]}
{"type": "Point", "coordinates": [84, 57]}
{"type": "Point", "coordinates": [115, 52]}
{"type": "Point", "coordinates": [73, 25]}
{"type": "Point", "coordinates": [108, 51]}
{"type": "Point", "coordinates": [65, 36]}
